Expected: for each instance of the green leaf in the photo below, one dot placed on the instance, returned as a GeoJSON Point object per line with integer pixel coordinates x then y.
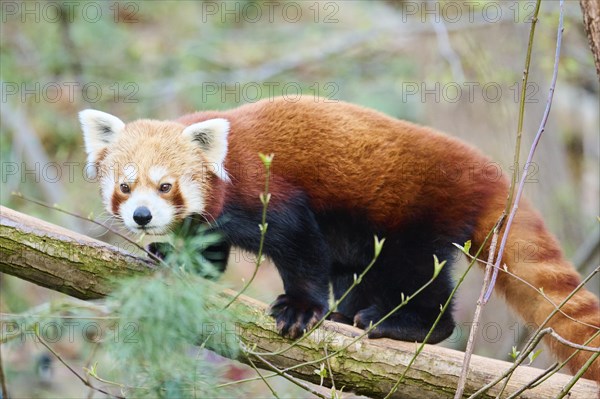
{"type": "Point", "coordinates": [263, 228]}
{"type": "Point", "coordinates": [93, 371]}
{"type": "Point", "coordinates": [321, 372]}
{"type": "Point", "coordinates": [514, 352]}
{"type": "Point", "coordinates": [463, 248]}
{"type": "Point", "coordinates": [264, 199]}
{"type": "Point", "coordinates": [378, 245]}
{"type": "Point", "coordinates": [437, 266]}
{"type": "Point", "coordinates": [467, 246]}
{"type": "Point", "coordinates": [266, 159]}
{"type": "Point", "coordinates": [533, 355]}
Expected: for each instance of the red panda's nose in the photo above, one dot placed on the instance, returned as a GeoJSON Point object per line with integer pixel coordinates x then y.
{"type": "Point", "coordinates": [142, 216]}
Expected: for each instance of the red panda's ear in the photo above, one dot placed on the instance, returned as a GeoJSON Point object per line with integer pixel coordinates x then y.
{"type": "Point", "coordinates": [211, 136]}
{"type": "Point", "coordinates": [99, 130]}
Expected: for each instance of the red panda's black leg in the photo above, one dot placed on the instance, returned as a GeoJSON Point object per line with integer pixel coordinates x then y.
{"type": "Point", "coordinates": [297, 247]}
{"type": "Point", "coordinates": [354, 301]}
{"type": "Point", "coordinates": [303, 262]}
{"type": "Point", "coordinates": [405, 265]}
{"type": "Point", "coordinates": [368, 303]}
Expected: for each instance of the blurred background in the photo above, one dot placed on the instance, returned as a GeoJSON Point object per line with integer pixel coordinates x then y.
{"type": "Point", "coordinates": [454, 66]}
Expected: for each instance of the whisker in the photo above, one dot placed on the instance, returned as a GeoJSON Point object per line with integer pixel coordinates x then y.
{"type": "Point", "coordinates": [206, 216]}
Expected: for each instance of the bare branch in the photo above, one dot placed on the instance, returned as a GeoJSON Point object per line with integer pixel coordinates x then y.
{"type": "Point", "coordinates": [536, 140]}
{"type": "Point", "coordinates": [591, 21]}
{"type": "Point", "coordinates": [72, 370]}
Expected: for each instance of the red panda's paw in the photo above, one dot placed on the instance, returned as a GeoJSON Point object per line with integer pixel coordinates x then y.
{"type": "Point", "coordinates": [160, 249]}
{"type": "Point", "coordinates": [365, 317]}
{"type": "Point", "coordinates": [295, 316]}
{"type": "Point", "coordinates": [340, 318]}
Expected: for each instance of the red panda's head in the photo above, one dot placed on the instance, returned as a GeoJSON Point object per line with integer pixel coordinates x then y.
{"type": "Point", "coordinates": [152, 173]}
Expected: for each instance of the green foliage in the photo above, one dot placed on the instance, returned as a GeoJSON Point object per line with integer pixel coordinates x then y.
{"type": "Point", "coordinates": [172, 324]}
{"type": "Point", "coordinates": [533, 355]}
{"type": "Point", "coordinates": [437, 266]}
{"type": "Point", "coordinates": [194, 250]}
{"type": "Point", "coordinates": [321, 372]}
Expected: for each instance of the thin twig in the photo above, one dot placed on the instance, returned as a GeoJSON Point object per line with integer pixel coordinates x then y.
{"type": "Point", "coordinates": [83, 380]}
{"type": "Point", "coordinates": [525, 387]}
{"type": "Point", "coordinates": [542, 294]}
{"type": "Point", "coordinates": [356, 282]}
{"type": "Point", "coordinates": [364, 333]}
{"type": "Point", "coordinates": [577, 376]}
{"type": "Point", "coordinates": [534, 340]}
{"type": "Point", "coordinates": [273, 391]}
{"type": "Point", "coordinates": [566, 342]}
{"type": "Point", "coordinates": [92, 372]}
{"type": "Point", "coordinates": [564, 362]}
{"type": "Point", "coordinates": [283, 374]}
{"type": "Point", "coordinates": [460, 388]}
{"type": "Point", "coordinates": [517, 152]}
{"type": "Point", "coordinates": [549, 371]}
{"type": "Point", "coordinates": [251, 379]}
{"type": "Point", "coordinates": [540, 335]}
{"type": "Point", "coordinates": [439, 317]}
{"type": "Point", "coordinates": [330, 372]}
{"type": "Point", "coordinates": [524, 81]}
{"type": "Point", "coordinates": [265, 197]}
{"type": "Point", "coordinates": [88, 364]}
{"type": "Point", "coordinates": [534, 145]}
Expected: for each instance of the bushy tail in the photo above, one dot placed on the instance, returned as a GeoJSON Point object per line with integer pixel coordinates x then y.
{"type": "Point", "coordinates": [533, 255]}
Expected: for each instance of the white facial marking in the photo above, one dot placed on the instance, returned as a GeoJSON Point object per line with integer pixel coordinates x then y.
{"type": "Point", "coordinates": [107, 185]}
{"type": "Point", "coordinates": [162, 211]}
{"type": "Point", "coordinates": [156, 173]}
{"type": "Point", "coordinates": [192, 194]}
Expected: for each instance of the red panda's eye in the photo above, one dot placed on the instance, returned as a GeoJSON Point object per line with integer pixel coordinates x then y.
{"type": "Point", "coordinates": [165, 187]}
{"type": "Point", "coordinates": [125, 188]}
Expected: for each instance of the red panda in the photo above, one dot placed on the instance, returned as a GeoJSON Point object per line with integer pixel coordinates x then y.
{"type": "Point", "coordinates": [341, 174]}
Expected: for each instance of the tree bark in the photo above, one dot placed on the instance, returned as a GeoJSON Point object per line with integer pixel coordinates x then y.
{"type": "Point", "coordinates": [82, 267]}
{"type": "Point", "coordinates": [591, 21]}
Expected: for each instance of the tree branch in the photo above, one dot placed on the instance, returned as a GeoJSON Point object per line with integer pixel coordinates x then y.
{"type": "Point", "coordinates": [82, 267]}
{"type": "Point", "coordinates": [591, 21]}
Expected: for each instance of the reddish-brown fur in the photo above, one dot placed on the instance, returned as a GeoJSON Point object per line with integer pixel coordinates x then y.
{"type": "Point", "coordinates": [397, 172]}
